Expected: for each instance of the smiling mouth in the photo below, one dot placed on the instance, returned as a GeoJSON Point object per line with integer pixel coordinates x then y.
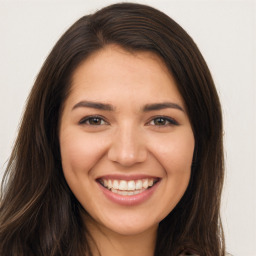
{"type": "Point", "coordinates": [128, 187]}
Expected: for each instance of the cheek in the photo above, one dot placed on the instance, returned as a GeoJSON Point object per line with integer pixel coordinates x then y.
{"type": "Point", "coordinates": [175, 153]}
{"type": "Point", "coordinates": [79, 152]}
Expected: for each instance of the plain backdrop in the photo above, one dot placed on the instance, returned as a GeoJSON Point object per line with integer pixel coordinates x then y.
{"type": "Point", "coordinates": [224, 32]}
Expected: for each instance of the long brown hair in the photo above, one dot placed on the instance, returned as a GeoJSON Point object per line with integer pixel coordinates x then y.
{"type": "Point", "coordinates": [39, 215]}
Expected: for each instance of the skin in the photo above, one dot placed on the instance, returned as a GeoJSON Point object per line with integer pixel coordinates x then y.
{"type": "Point", "coordinates": [126, 140]}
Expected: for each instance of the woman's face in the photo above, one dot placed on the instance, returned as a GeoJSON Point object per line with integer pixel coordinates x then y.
{"type": "Point", "coordinates": [126, 141]}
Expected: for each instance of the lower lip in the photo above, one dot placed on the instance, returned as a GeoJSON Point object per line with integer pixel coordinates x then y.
{"type": "Point", "coordinates": [129, 200]}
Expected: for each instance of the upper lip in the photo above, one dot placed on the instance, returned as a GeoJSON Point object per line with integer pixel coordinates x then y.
{"type": "Point", "coordinates": [127, 177]}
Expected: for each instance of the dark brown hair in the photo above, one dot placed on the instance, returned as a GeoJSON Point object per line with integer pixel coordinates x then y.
{"type": "Point", "coordinates": [39, 215]}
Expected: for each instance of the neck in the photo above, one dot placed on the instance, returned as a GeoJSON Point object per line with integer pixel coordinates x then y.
{"type": "Point", "coordinates": [109, 243]}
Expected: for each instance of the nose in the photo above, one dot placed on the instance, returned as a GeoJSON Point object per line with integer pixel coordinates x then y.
{"type": "Point", "coordinates": [128, 147]}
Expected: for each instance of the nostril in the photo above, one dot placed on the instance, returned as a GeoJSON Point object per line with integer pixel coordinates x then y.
{"type": "Point", "coordinates": [127, 159]}
{"type": "Point", "coordinates": [127, 156]}
{"type": "Point", "coordinates": [128, 145]}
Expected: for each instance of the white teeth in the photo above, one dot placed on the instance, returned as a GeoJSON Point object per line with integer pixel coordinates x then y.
{"type": "Point", "coordinates": [127, 193]}
{"type": "Point", "coordinates": [123, 185]}
{"type": "Point", "coordinates": [109, 184]}
{"type": "Point", "coordinates": [138, 184]}
{"type": "Point", "coordinates": [131, 185]}
{"type": "Point", "coordinates": [145, 183]}
{"type": "Point", "coordinates": [115, 184]}
{"type": "Point", "coordinates": [123, 193]}
{"type": "Point", "coordinates": [126, 186]}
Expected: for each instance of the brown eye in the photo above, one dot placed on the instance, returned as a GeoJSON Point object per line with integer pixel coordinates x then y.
{"type": "Point", "coordinates": [160, 121]}
{"type": "Point", "coordinates": [93, 120]}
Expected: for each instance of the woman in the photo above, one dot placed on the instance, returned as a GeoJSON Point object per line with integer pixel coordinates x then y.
{"type": "Point", "coordinates": [120, 148]}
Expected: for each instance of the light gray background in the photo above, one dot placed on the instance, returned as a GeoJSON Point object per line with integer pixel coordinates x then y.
{"type": "Point", "coordinates": [225, 33]}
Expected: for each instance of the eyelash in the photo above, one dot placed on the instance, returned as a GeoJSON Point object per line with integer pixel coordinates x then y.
{"type": "Point", "coordinates": [87, 119]}
{"type": "Point", "coordinates": [167, 121]}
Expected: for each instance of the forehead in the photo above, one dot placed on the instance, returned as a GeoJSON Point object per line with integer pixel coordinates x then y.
{"type": "Point", "coordinates": [115, 71]}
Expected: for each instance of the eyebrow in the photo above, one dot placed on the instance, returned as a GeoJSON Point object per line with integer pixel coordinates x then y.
{"type": "Point", "coordinates": [159, 106]}
{"type": "Point", "coordinates": [109, 107]}
{"type": "Point", "coordinates": [95, 105]}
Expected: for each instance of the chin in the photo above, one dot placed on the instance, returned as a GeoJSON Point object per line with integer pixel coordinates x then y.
{"type": "Point", "coordinates": [128, 230]}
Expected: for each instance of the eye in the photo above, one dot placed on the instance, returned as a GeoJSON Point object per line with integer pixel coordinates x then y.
{"type": "Point", "coordinates": [93, 121]}
{"type": "Point", "coordinates": [162, 121]}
